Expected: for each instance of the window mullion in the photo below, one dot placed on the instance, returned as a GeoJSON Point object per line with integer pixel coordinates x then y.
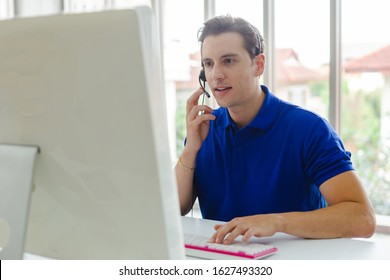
{"type": "Point", "coordinates": [269, 35]}
{"type": "Point", "coordinates": [209, 9]}
{"type": "Point", "coordinates": [335, 65]}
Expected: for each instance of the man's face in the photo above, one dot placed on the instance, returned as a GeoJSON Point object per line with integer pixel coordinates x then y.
{"type": "Point", "coordinates": [230, 72]}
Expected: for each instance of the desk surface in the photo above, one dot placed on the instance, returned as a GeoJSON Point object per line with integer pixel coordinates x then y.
{"type": "Point", "coordinates": [295, 248]}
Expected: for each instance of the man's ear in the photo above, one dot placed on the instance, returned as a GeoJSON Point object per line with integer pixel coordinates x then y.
{"type": "Point", "coordinates": [260, 64]}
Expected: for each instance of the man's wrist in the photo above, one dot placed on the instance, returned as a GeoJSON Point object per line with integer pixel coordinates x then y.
{"type": "Point", "coordinates": [187, 159]}
{"type": "Point", "coordinates": [185, 166]}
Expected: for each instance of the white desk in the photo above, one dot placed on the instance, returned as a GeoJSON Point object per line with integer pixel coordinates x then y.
{"type": "Point", "coordinates": [295, 248]}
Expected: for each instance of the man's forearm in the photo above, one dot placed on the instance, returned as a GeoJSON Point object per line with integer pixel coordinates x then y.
{"type": "Point", "coordinates": [184, 170]}
{"type": "Point", "coordinates": [345, 219]}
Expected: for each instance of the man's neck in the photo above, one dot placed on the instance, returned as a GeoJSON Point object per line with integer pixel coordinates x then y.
{"type": "Point", "coordinates": [243, 115]}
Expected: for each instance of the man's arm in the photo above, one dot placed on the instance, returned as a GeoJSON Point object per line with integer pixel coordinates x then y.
{"type": "Point", "coordinates": [184, 169]}
{"type": "Point", "coordinates": [198, 119]}
{"type": "Point", "coordinates": [349, 214]}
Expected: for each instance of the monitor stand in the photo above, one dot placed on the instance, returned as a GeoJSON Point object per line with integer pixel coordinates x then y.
{"type": "Point", "coordinates": [16, 174]}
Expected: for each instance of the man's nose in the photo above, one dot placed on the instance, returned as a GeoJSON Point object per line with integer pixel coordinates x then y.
{"type": "Point", "coordinates": [217, 73]}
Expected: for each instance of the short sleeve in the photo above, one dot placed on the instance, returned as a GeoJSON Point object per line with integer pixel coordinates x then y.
{"type": "Point", "coordinates": [324, 153]}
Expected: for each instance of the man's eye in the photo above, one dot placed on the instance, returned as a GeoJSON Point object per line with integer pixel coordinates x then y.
{"type": "Point", "coordinates": [229, 60]}
{"type": "Point", "coordinates": [208, 64]}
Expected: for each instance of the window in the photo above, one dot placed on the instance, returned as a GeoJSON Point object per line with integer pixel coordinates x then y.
{"type": "Point", "coordinates": [365, 114]}
{"type": "Point", "coordinates": [6, 9]}
{"type": "Point", "coordinates": [181, 62]}
{"type": "Point", "coordinates": [251, 10]}
{"type": "Point", "coordinates": [83, 5]}
{"type": "Point", "coordinates": [302, 53]}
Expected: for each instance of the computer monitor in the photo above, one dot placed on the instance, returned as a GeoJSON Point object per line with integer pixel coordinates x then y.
{"type": "Point", "coordinates": [87, 89]}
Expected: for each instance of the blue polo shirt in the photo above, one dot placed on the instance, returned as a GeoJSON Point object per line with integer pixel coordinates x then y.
{"type": "Point", "coordinates": [274, 164]}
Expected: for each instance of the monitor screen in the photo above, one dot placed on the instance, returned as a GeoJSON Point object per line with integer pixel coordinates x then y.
{"type": "Point", "coordinates": [87, 89]}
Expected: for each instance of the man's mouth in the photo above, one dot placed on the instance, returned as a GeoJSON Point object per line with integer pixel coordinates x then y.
{"type": "Point", "coordinates": [222, 88]}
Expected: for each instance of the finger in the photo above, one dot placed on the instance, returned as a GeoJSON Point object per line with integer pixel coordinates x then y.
{"type": "Point", "coordinates": [223, 231]}
{"type": "Point", "coordinates": [214, 236]}
{"type": "Point", "coordinates": [216, 227]}
{"type": "Point", "coordinates": [193, 99]}
{"type": "Point", "coordinates": [199, 110]}
{"type": "Point", "coordinates": [248, 234]}
{"type": "Point", "coordinates": [237, 231]}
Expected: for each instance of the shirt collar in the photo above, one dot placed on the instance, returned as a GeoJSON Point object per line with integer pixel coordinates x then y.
{"type": "Point", "coordinates": [264, 119]}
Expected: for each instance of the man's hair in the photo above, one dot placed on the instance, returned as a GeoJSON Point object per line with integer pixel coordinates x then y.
{"type": "Point", "coordinates": [253, 40]}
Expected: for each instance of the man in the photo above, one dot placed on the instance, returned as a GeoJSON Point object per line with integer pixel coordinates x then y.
{"type": "Point", "coordinates": [257, 162]}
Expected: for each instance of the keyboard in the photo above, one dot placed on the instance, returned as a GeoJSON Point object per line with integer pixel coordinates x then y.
{"type": "Point", "coordinates": [198, 246]}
